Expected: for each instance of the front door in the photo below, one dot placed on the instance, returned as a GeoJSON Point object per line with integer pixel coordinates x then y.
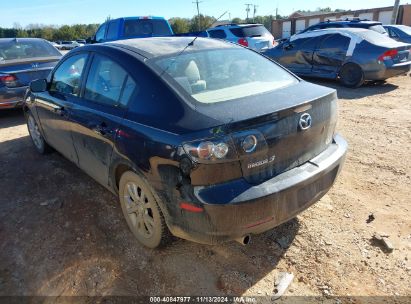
{"type": "Point", "coordinates": [53, 106]}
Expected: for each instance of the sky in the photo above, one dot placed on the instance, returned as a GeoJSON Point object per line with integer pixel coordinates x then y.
{"type": "Point", "coordinates": [59, 12]}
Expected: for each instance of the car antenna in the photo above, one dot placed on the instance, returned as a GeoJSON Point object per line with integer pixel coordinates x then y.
{"type": "Point", "coordinates": [191, 43]}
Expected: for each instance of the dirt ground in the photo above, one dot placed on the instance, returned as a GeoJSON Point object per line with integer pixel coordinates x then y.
{"type": "Point", "coordinates": [63, 234]}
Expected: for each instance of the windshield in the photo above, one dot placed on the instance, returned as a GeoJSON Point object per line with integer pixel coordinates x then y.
{"type": "Point", "coordinates": [224, 74]}
{"type": "Point", "coordinates": [378, 28]}
{"type": "Point", "coordinates": [405, 29]}
{"type": "Point", "coordinates": [18, 49]}
{"type": "Point", "coordinates": [146, 27]}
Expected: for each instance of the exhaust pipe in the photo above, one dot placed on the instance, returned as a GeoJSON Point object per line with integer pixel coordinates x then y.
{"type": "Point", "coordinates": [244, 240]}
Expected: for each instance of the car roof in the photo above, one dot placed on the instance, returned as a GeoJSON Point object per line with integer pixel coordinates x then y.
{"type": "Point", "coordinates": [350, 21]}
{"type": "Point", "coordinates": [162, 46]}
{"type": "Point", "coordinates": [235, 25]}
{"type": "Point", "coordinates": [139, 17]}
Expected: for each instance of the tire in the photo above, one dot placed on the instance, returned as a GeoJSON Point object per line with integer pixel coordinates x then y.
{"type": "Point", "coordinates": [351, 75]}
{"type": "Point", "coordinates": [35, 134]}
{"type": "Point", "coordinates": [141, 210]}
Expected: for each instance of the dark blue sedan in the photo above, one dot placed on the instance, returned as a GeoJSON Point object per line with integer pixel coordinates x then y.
{"type": "Point", "coordinates": [199, 138]}
{"type": "Point", "coordinates": [21, 61]}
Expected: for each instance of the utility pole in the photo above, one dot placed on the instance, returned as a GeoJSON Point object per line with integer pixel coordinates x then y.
{"type": "Point", "coordinates": [247, 9]}
{"type": "Point", "coordinates": [254, 12]}
{"type": "Point", "coordinates": [395, 12]}
{"type": "Point", "coordinates": [198, 14]}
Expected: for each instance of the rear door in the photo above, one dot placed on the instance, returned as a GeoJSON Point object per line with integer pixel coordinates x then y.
{"type": "Point", "coordinates": [97, 116]}
{"type": "Point", "coordinates": [53, 106]}
{"type": "Point", "coordinates": [330, 55]}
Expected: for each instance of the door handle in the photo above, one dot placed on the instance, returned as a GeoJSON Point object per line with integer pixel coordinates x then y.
{"type": "Point", "coordinates": [60, 111]}
{"type": "Point", "coordinates": [101, 128]}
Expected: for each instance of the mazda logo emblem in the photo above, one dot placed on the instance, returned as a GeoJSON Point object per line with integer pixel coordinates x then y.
{"type": "Point", "coordinates": [305, 121]}
{"type": "Point", "coordinates": [34, 65]}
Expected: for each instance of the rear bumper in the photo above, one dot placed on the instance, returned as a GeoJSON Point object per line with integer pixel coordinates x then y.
{"type": "Point", "coordinates": [389, 71]}
{"type": "Point", "coordinates": [257, 208]}
{"type": "Point", "coordinates": [12, 97]}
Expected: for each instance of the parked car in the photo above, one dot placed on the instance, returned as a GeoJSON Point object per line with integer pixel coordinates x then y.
{"type": "Point", "coordinates": [69, 45]}
{"type": "Point", "coordinates": [348, 23]}
{"type": "Point", "coordinates": [132, 27]}
{"type": "Point", "coordinates": [81, 41]}
{"type": "Point", "coordinates": [351, 54]}
{"type": "Point", "coordinates": [253, 36]}
{"type": "Point", "coordinates": [207, 140]}
{"type": "Point", "coordinates": [399, 32]}
{"type": "Point", "coordinates": [22, 60]}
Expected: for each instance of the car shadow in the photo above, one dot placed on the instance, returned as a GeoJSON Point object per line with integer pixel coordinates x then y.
{"type": "Point", "coordinates": [11, 118]}
{"type": "Point", "coordinates": [64, 234]}
{"type": "Point", "coordinates": [367, 89]}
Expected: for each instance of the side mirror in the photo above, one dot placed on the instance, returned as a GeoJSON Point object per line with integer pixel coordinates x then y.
{"type": "Point", "coordinates": [288, 46]}
{"type": "Point", "coordinates": [38, 85]}
{"type": "Point", "coordinates": [91, 40]}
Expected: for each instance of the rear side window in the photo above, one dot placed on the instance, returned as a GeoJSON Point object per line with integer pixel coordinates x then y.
{"type": "Point", "coordinates": [336, 41]}
{"type": "Point", "coordinates": [219, 34]}
{"type": "Point", "coordinates": [106, 81]}
{"type": "Point", "coordinates": [146, 27]}
{"type": "Point", "coordinates": [112, 31]}
{"type": "Point", "coordinates": [67, 77]}
{"type": "Point", "coordinates": [100, 33]}
{"type": "Point", "coordinates": [15, 49]}
{"type": "Point", "coordinates": [378, 28]}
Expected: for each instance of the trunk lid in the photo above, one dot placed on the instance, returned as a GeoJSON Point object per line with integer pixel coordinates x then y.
{"type": "Point", "coordinates": [28, 69]}
{"type": "Point", "coordinates": [287, 138]}
{"type": "Point", "coordinates": [274, 119]}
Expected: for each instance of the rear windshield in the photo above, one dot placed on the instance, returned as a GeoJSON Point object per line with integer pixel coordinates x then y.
{"type": "Point", "coordinates": [250, 31]}
{"type": "Point", "coordinates": [12, 49]}
{"type": "Point", "coordinates": [405, 29]}
{"type": "Point", "coordinates": [376, 38]}
{"type": "Point", "coordinates": [218, 75]}
{"type": "Point", "coordinates": [146, 27]}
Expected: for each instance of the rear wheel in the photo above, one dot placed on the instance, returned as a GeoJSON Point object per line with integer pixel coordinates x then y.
{"type": "Point", "coordinates": [141, 211]}
{"type": "Point", "coordinates": [38, 140]}
{"type": "Point", "coordinates": [351, 75]}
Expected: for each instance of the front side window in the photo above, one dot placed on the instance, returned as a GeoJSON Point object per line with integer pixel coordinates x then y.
{"type": "Point", "coordinates": [218, 75]}
{"type": "Point", "coordinates": [106, 81]}
{"type": "Point", "coordinates": [100, 33]}
{"type": "Point", "coordinates": [67, 77]}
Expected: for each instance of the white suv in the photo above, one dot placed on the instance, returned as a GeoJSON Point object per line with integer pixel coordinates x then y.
{"type": "Point", "coordinates": [253, 36]}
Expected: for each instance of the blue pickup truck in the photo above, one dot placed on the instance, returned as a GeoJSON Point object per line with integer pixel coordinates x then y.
{"type": "Point", "coordinates": [132, 27]}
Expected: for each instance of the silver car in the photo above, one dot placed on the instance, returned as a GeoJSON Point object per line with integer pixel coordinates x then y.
{"type": "Point", "coordinates": [253, 36]}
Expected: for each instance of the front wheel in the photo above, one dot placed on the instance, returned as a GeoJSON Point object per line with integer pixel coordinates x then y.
{"type": "Point", "coordinates": [351, 75]}
{"type": "Point", "coordinates": [38, 140]}
{"type": "Point", "coordinates": [141, 211]}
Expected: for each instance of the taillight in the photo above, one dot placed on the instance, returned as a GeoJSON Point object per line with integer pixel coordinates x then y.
{"type": "Point", "coordinates": [211, 150]}
{"type": "Point", "coordinates": [243, 41]}
{"type": "Point", "coordinates": [388, 55]}
{"type": "Point", "coordinates": [8, 80]}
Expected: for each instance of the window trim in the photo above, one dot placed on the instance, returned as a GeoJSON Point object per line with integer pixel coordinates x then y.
{"type": "Point", "coordinates": [84, 72]}
{"type": "Point", "coordinates": [118, 104]}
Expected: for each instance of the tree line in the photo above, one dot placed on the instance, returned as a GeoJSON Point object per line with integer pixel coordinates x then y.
{"type": "Point", "coordinates": [50, 32]}
{"type": "Point", "coordinates": [83, 31]}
